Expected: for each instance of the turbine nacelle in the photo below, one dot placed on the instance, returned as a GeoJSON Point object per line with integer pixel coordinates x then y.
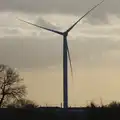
{"type": "Point", "coordinates": [65, 34]}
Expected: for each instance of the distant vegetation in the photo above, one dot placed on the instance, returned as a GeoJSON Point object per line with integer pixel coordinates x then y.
{"type": "Point", "coordinates": [23, 103]}
{"type": "Point", "coordinates": [113, 104]}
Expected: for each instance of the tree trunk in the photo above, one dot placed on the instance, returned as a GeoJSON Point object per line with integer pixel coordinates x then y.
{"type": "Point", "coordinates": [3, 95]}
{"type": "Point", "coordinates": [1, 101]}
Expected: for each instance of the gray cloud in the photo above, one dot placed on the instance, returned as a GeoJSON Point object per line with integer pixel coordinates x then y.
{"type": "Point", "coordinates": [36, 53]}
{"type": "Point", "coordinates": [41, 21]}
{"type": "Point", "coordinates": [60, 6]}
{"type": "Point", "coordinates": [29, 52]}
{"type": "Point", "coordinates": [11, 31]}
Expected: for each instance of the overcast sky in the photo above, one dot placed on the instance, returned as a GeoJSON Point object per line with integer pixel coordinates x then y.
{"type": "Point", "coordinates": [54, 6]}
{"type": "Point", "coordinates": [94, 45]}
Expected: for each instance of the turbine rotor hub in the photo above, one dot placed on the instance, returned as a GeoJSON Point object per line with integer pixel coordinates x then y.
{"type": "Point", "coordinates": [65, 34]}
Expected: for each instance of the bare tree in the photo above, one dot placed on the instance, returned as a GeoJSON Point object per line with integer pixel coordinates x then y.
{"type": "Point", "coordinates": [114, 104]}
{"type": "Point", "coordinates": [10, 85]}
{"type": "Point", "coordinates": [92, 105]}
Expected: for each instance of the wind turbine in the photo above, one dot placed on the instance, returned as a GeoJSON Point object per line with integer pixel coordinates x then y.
{"type": "Point", "coordinates": [66, 52]}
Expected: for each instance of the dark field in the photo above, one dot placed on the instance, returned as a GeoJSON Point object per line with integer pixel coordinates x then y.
{"type": "Point", "coordinates": [60, 114]}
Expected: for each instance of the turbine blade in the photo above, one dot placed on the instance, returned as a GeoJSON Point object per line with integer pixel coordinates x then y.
{"type": "Point", "coordinates": [84, 16]}
{"type": "Point", "coordinates": [54, 31]}
{"type": "Point", "coordinates": [70, 61]}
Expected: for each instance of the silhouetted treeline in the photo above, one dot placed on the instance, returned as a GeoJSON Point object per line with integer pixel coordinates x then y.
{"type": "Point", "coordinates": [110, 111]}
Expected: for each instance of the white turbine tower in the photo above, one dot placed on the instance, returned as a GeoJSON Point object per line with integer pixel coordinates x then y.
{"type": "Point", "coordinates": [65, 53]}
